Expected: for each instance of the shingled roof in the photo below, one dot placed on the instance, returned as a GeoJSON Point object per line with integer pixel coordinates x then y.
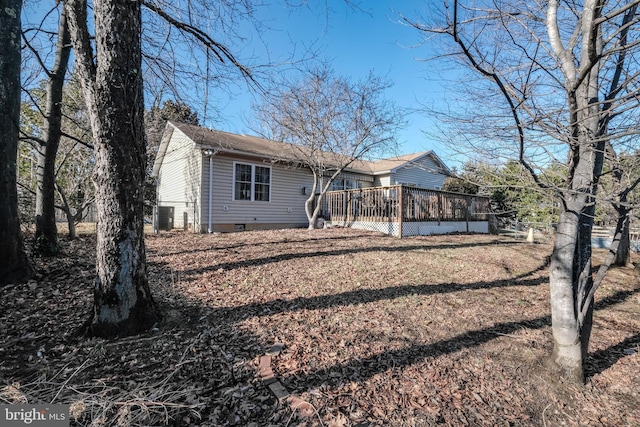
{"type": "Point", "coordinates": [224, 142]}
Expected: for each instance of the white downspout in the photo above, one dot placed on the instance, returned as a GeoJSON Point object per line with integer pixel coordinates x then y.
{"type": "Point", "coordinates": [210, 229]}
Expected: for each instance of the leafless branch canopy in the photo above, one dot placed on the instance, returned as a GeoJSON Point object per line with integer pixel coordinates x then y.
{"type": "Point", "coordinates": [329, 119]}
{"type": "Point", "coordinates": [525, 58]}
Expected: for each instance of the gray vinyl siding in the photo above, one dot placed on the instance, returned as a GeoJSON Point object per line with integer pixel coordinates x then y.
{"type": "Point", "coordinates": [424, 175]}
{"type": "Point", "coordinates": [286, 205]}
{"type": "Point", "coordinates": [382, 181]}
{"type": "Point", "coordinates": [179, 181]}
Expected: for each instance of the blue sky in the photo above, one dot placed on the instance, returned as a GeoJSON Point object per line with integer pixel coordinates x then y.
{"type": "Point", "coordinates": [354, 42]}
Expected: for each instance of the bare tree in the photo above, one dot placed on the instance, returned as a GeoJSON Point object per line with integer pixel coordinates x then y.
{"type": "Point", "coordinates": [14, 264]}
{"type": "Point", "coordinates": [624, 170]}
{"type": "Point", "coordinates": [330, 123]}
{"type": "Point", "coordinates": [566, 75]}
{"type": "Point", "coordinates": [111, 80]}
{"type": "Point", "coordinates": [69, 161]}
{"type": "Point", "coordinates": [76, 158]}
{"type": "Point", "coordinates": [46, 234]}
{"type": "Point", "coordinates": [74, 183]}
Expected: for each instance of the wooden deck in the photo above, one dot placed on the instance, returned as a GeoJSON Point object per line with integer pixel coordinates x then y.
{"type": "Point", "coordinates": [402, 210]}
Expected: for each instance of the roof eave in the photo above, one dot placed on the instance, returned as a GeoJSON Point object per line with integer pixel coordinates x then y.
{"type": "Point", "coordinates": [218, 149]}
{"type": "Point", "coordinates": [162, 149]}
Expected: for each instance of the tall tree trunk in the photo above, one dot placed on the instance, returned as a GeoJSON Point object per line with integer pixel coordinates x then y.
{"type": "Point", "coordinates": [14, 264]}
{"type": "Point", "coordinates": [570, 277]}
{"type": "Point", "coordinates": [123, 304]}
{"type": "Point", "coordinates": [566, 355]}
{"type": "Point", "coordinates": [571, 267]}
{"type": "Point", "coordinates": [621, 238]}
{"type": "Point", "coordinates": [571, 284]}
{"type": "Point", "coordinates": [623, 252]}
{"type": "Point", "coordinates": [46, 231]}
{"type": "Point", "coordinates": [312, 201]}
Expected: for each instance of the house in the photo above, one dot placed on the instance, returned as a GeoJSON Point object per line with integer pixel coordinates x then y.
{"type": "Point", "coordinates": [212, 181]}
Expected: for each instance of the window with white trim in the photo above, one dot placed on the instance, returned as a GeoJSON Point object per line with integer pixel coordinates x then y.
{"type": "Point", "coordinates": [251, 182]}
{"type": "Point", "coordinates": [343, 184]}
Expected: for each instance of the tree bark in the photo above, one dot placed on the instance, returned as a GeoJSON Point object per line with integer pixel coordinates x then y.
{"type": "Point", "coordinates": [623, 252]}
{"type": "Point", "coordinates": [566, 354]}
{"type": "Point", "coordinates": [123, 304]}
{"type": "Point", "coordinates": [14, 264]}
{"type": "Point", "coordinates": [571, 280]}
{"type": "Point", "coordinates": [621, 239]}
{"type": "Point", "coordinates": [71, 218]}
{"type": "Point", "coordinates": [46, 235]}
{"type": "Point", "coordinates": [313, 201]}
{"type": "Point", "coordinates": [312, 213]}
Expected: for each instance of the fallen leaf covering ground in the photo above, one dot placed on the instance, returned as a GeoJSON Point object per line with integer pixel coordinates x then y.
{"type": "Point", "coordinates": [438, 330]}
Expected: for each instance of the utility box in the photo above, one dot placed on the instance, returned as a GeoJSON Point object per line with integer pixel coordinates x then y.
{"type": "Point", "coordinates": [165, 218]}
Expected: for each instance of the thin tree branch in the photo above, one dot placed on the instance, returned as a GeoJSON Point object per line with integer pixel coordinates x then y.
{"type": "Point", "coordinates": [613, 14]}
{"type": "Point", "coordinates": [36, 54]}
{"type": "Point", "coordinates": [34, 101]}
{"type": "Point", "coordinates": [77, 18]}
{"type": "Point", "coordinates": [498, 81]}
{"type": "Point", "coordinates": [219, 50]}
{"type": "Point", "coordinates": [78, 140]}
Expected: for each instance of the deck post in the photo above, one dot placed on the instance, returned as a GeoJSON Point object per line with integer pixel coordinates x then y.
{"type": "Point", "coordinates": [400, 210]}
{"type": "Point", "coordinates": [345, 214]}
{"type": "Point", "coordinates": [468, 214]}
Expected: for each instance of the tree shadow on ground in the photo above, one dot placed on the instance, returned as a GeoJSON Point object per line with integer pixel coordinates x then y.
{"type": "Point", "coordinates": [255, 262]}
{"type": "Point", "coordinates": [404, 357]}
{"type": "Point", "coordinates": [208, 319]}
{"type": "Point", "coordinates": [598, 362]}
{"type": "Point", "coordinates": [364, 296]}
{"type": "Point", "coordinates": [601, 360]}
{"type": "Point", "coordinates": [284, 241]}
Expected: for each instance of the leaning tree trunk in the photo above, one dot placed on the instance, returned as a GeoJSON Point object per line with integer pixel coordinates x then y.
{"type": "Point", "coordinates": [312, 201]}
{"type": "Point", "coordinates": [46, 235]}
{"type": "Point", "coordinates": [123, 304]}
{"type": "Point", "coordinates": [623, 253]}
{"type": "Point", "coordinates": [622, 237]}
{"type": "Point", "coordinates": [14, 264]}
{"type": "Point", "coordinates": [71, 218]}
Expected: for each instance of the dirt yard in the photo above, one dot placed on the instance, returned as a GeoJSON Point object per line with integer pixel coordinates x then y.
{"type": "Point", "coordinates": [423, 331]}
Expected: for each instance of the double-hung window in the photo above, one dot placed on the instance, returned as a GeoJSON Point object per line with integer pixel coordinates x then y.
{"type": "Point", "coordinates": [251, 182]}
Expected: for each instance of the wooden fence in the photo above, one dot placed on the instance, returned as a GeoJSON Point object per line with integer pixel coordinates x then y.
{"type": "Point", "coordinates": [400, 203]}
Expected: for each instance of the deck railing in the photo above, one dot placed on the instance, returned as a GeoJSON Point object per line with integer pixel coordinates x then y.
{"type": "Point", "coordinates": [404, 204]}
